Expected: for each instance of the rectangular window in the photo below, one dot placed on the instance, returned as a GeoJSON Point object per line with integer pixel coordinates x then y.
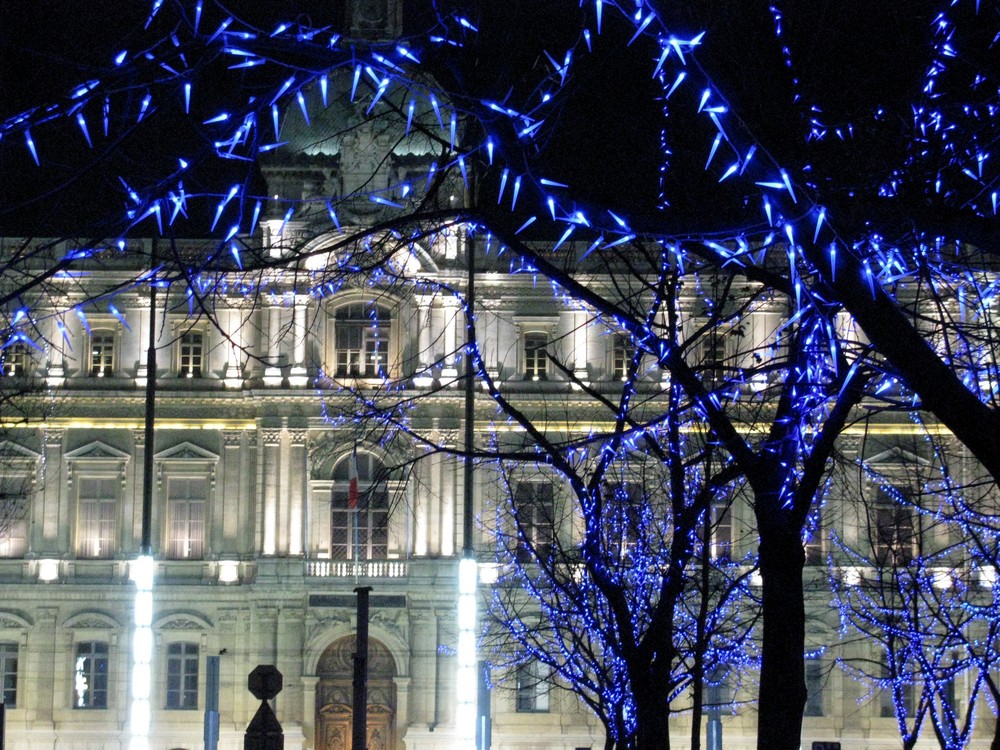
{"type": "Point", "coordinates": [192, 349]}
{"type": "Point", "coordinates": [532, 688]}
{"type": "Point", "coordinates": [722, 529]}
{"type": "Point", "coordinates": [187, 498]}
{"type": "Point", "coordinates": [182, 676]}
{"type": "Point", "coordinates": [713, 357]}
{"type": "Point", "coordinates": [535, 514]}
{"type": "Point", "coordinates": [893, 534]}
{"type": "Point", "coordinates": [102, 354]}
{"type": "Point", "coordinates": [8, 674]}
{"type": "Point", "coordinates": [622, 353]}
{"type": "Point", "coordinates": [15, 360]}
{"type": "Point", "coordinates": [361, 341]}
{"type": "Point", "coordinates": [814, 686]}
{"type": "Point", "coordinates": [90, 675]}
{"type": "Point", "coordinates": [13, 522]}
{"type": "Point", "coordinates": [887, 707]}
{"type": "Point", "coordinates": [813, 542]}
{"type": "Point", "coordinates": [98, 512]}
{"type": "Point", "coordinates": [535, 358]}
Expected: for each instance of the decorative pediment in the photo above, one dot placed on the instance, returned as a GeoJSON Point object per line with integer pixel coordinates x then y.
{"type": "Point", "coordinates": [11, 621]}
{"type": "Point", "coordinates": [186, 452]}
{"type": "Point", "coordinates": [96, 451]}
{"type": "Point", "coordinates": [894, 457]}
{"type": "Point", "coordinates": [12, 451]}
{"type": "Point", "coordinates": [185, 621]}
{"type": "Point", "coordinates": [91, 621]}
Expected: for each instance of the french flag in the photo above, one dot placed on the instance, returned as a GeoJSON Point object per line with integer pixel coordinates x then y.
{"type": "Point", "coordinates": [352, 481]}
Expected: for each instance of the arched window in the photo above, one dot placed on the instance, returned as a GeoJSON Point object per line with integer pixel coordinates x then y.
{"type": "Point", "coordinates": [361, 340]}
{"type": "Point", "coordinates": [359, 527]}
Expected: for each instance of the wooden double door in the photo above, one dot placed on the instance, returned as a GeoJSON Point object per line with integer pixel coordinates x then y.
{"type": "Point", "coordinates": [334, 691]}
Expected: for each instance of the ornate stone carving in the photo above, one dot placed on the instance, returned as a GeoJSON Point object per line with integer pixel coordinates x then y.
{"type": "Point", "coordinates": [232, 438]}
{"type": "Point", "coordinates": [181, 623]}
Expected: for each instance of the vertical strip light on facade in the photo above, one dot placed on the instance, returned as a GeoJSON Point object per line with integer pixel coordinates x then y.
{"type": "Point", "coordinates": [144, 568]}
{"type": "Point", "coordinates": [467, 682]}
{"type": "Point", "coordinates": [142, 651]}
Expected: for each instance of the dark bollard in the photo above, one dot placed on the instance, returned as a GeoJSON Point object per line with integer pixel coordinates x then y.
{"type": "Point", "coordinates": [264, 731]}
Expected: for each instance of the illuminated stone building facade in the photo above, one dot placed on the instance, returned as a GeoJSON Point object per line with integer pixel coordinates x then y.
{"type": "Point", "coordinates": [257, 554]}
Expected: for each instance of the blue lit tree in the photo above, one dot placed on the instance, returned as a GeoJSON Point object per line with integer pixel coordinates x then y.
{"type": "Point", "coordinates": [912, 582]}
{"type": "Point", "coordinates": [809, 186]}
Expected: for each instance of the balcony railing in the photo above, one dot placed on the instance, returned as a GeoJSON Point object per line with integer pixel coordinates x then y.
{"type": "Point", "coordinates": [360, 569]}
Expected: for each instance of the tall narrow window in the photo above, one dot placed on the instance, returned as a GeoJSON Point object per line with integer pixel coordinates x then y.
{"type": "Point", "coordinates": [192, 352]}
{"type": "Point", "coordinates": [622, 353]}
{"type": "Point", "coordinates": [535, 515]}
{"type": "Point", "coordinates": [814, 686]}
{"type": "Point", "coordinates": [15, 360]}
{"type": "Point", "coordinates": [182, 676]}
{"type": "Point", "coordinates": [891, 528]}
{"type": "Point", "coordinates": [360, 532]}
{"type": "Point", "coordinates": [625, 522]}
{"type": "Point", "coordinates": [887, 705]}
{"type": "Point", "coordinates": [713, 357]}
{"type": "Point", "coordinates": [535, 359]}
{"type": "Point", "coordinates": [13, 518]}
{"type": "Point", "coordinates": [813, 542]}
{"type": "Point", "coordinates": [186, 501]}
{"type": "Point", "coordinates": [722, 529]}
{"type": "Point", "coordinates": [102, 354]}
{"type": "Point", "coordinates": [8, 674]}
{"type": "Point", "coordinates": [98, 511]}
{"type": "Point", "coordinates": [532, 688]}
{"type": "Point", "coordinates": [361, 341]}
{"type": "Point", "coordinates": [90, 675]}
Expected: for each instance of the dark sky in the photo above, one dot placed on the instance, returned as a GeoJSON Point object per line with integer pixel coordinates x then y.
{"type": "Point", "coordinates": [851, 56]}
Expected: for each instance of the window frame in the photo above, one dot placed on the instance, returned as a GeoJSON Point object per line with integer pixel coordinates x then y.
{"type": "Point", "coordinates": [723, 528]}
{"type": "Point", "coordinates": [888, 521]}
{"type": "Point", "coordinates": [185, 360]}
{"type": "Point", "coordinates": [532, 500]}
{"type": "Point", "coordinates": [112, 524]}
{"type": "Point", "coordinates": [98, 698]}
{"type": "Point", "coordinates": [366, 318]}
{"type": "Point", "coordinates": [171, 507]}
{"type": "Point", "coordinates": [373, 520]}
{"type": "Point", "coordinates": [534, 357]}
{"type": "Point", "coordinates": [177, 698]}
{"type": "Point", "coordinates": [621, 354]}
{"type": "Point", "coordinates": [9, 652]}
{"type": "Point", "coordinates": [815, 674]}
{"type": "Point", "coordinates": [532, 689]}
{"type": "Point", "coordinates": [16, 360]}
{"type": "Point", "coordinates": [108, 368]}
{"type": "Point", "coordinates": [18, 479]}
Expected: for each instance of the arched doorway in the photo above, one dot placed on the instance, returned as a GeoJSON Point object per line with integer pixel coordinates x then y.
{"type": "Point", "coordinates": [334, 693]}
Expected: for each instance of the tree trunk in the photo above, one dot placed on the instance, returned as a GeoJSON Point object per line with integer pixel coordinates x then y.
{"type": "Point", "coordinates": [653, 728]}
{"type": "Point", "coordinates": [782, 673]}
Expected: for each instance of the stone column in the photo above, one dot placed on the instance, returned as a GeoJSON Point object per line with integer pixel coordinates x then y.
{"type": "Point", "coordinates": [449, 307]}
{"type": "Point", "coordinates": [297, 377]}
{"type": "Point", "coordinates": [581, 331]}
{"type": "Point", "coordinates": [55, 373]}
{"type": "Point", "coordinates": [447, 485]}
{"type": "Point", "coordinates": [271, 440]}
{"type": "Point", "coordinates": [272, 373]}
{"type": "Point", "coordinates": [296, 490]}
{"type": "Point", "coordinates": [425, 356]}
{"type": "Point", "coordinates": [421, 504]}
{"type": "Point", "coordinates": [233, 377]}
